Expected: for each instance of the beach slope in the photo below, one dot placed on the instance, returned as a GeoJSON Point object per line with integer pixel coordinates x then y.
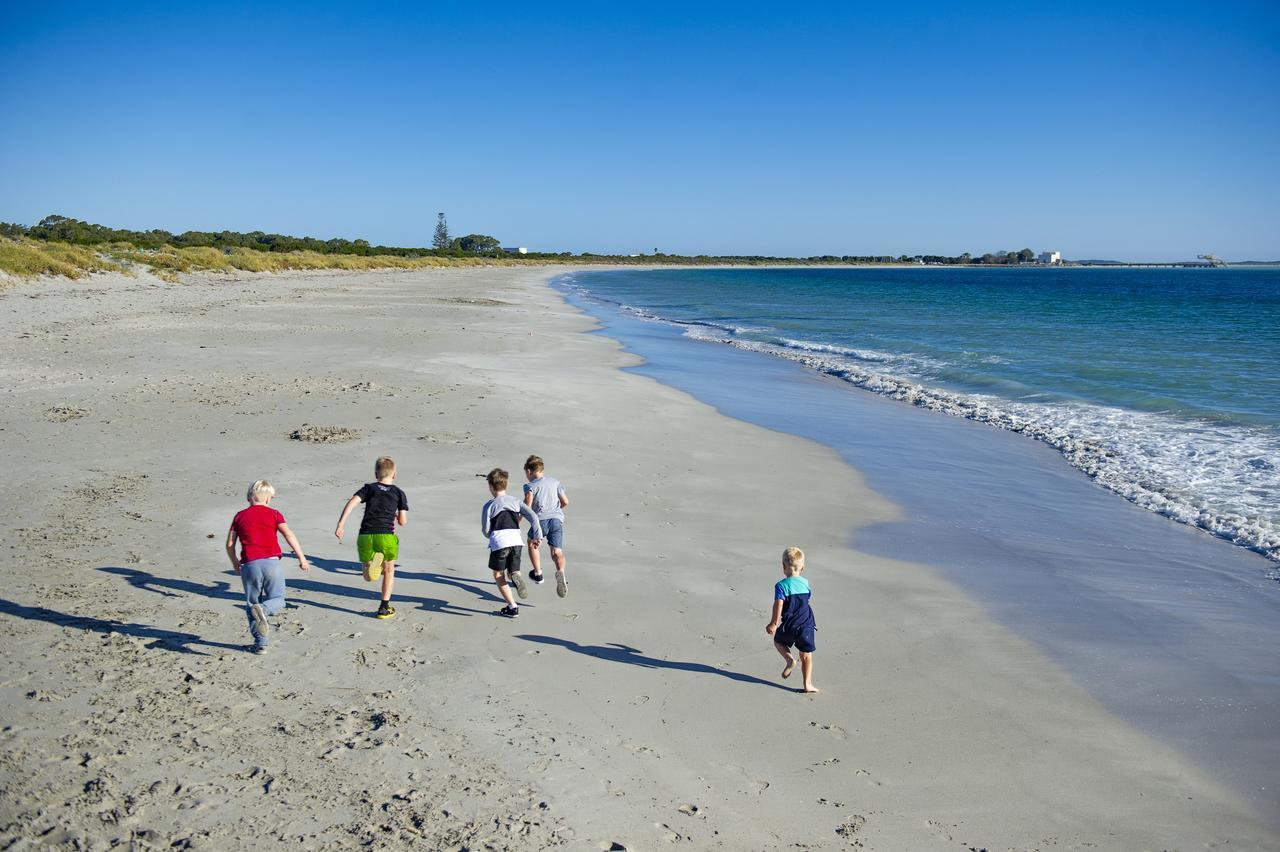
{"type": "Point", "coordinates": [642, 710]}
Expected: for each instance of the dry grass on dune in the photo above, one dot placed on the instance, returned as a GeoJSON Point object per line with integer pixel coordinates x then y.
{"type": "Point", "coordinates": [26, 258]}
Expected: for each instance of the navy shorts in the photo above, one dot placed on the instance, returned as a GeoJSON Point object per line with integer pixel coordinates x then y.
{"type": "Point", "coordinates": [801, 640]}
{"type": "Point", "coordinates": [507, 559]}
{"type": "Point", "coordinates": [553, 532]}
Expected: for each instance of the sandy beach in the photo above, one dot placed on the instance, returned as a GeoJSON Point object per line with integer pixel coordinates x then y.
{"type": "Point", "coordinates": [642, 711]}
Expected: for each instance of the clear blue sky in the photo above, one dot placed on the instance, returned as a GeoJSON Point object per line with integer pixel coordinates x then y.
{"type": "Point", "coordinates": [1141, 131]}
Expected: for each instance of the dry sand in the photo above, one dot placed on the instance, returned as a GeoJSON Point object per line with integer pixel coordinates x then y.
{"type": "Point", "coordinates": [642, 711]}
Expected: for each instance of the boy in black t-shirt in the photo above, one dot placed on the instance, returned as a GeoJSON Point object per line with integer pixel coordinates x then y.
{"type": "Point", "coordinates": [385, 505]}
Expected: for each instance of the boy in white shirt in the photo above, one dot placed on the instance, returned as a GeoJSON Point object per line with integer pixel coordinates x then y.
{"type": "Point", "coordinates": [500, 523]}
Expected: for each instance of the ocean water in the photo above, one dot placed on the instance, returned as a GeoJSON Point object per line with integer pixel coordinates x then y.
{"type": "Point", "coordinates": [1162, 386]}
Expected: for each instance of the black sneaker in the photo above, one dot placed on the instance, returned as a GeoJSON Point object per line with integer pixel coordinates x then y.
{"type": "Point", "coordinates": [511, 611]}
{"type": "Point", "coordinates": [258, 649]}
{"type": "Point", "coordinates": [522, 588]}
{"type": "Point", "coordinates": [386, 610]}
{"type": "Point", "coordinates": [536, 576]}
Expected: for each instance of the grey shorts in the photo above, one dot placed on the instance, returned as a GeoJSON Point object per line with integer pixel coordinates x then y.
{"type": "Point", "coordinates": [553, 532]}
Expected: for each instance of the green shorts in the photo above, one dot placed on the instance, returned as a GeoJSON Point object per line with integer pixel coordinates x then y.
{"type": "Point", "coordinates": [388, 544]}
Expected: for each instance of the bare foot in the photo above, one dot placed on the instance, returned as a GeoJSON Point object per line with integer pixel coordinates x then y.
{"type": "Point", "coordinates": [810, 688]}
{"type": "Point", "coordinates": [791, 666]}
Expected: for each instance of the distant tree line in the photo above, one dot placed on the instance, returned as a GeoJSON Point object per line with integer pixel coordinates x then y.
{"type": "Point", "coordinates": [62, 229]}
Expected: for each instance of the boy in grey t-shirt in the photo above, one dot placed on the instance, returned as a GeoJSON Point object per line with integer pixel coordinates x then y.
{"type": "Point", "coordinates": [547, 499]}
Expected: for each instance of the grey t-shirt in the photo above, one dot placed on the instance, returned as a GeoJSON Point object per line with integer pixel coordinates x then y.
{"type": "Point", "coordinates": [546, 497]}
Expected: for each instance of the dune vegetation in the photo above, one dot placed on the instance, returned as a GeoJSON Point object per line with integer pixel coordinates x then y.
{"type": "Point", "coordinates": [23, 257]}
{"type": "Point", "coordinates": [59, 245]}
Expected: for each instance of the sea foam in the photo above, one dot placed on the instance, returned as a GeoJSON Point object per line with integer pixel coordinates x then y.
{"type": "Point", "coordinates": [1208, 475]}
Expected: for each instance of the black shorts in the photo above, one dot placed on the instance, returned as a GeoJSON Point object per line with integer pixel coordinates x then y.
{"type": "Point", "coordinates": [801, 640]}
{"type": "Point", "coordinates": [507, 559]}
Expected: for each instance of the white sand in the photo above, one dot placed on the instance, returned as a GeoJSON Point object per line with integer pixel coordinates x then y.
{"type": "Point", "coordinates": [643, 710]}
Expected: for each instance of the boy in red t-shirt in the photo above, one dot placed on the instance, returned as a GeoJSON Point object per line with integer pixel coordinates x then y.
{"type": "Point", "coordinates": [259, 562]}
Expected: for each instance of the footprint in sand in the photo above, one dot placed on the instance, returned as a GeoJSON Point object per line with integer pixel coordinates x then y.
{"type": "Point", "coordinates": [835, 729]}
{"type": "Point", "coordinates": [851, 826]}
{"type": "Point", "coordinates": [669, 834]}
{"type": "Point", "coordinates": [864, 773]}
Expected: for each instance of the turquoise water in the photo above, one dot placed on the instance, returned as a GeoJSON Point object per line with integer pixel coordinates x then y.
{"type": "Point", "coordinates": [1161, 385]}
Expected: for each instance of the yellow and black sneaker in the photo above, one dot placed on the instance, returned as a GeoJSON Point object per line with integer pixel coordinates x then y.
{"type": "Point", "coordinates": [386, 610]}
{"type": "Point", "coordinates": [373, 570]}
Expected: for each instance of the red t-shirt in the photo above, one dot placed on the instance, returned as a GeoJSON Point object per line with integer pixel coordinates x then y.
{"type": "Point", "coordinates": [256, 527]}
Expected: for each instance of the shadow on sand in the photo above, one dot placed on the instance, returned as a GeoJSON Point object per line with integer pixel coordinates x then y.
{"type": "Point", "coordinates": [169, 640]}
{"type": "Point", "coordinates": [480, 588]}
{"type": "Point", "coordinates": [615, 653]}
{"type": "Point", "coordinates": [296, 582]}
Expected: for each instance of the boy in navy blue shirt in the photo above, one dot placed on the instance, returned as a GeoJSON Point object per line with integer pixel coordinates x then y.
{"type": "Point", "coordinates": [792, 623]}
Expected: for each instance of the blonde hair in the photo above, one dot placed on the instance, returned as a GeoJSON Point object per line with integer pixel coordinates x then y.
{"type": "Point", "coordinates": [533, 464]}
{"type": "Point", "coordinates": [497, 479]}
{"type": "Point", "coordinates": [792, 560]}
{"type": "Point", "coordinates": [260, 491]}
{"type": "Point", "coordinates": [384, 467]}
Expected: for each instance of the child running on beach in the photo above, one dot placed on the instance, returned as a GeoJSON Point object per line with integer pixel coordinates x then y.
{"type": "Point", "coordinates": [500, 522]}
{"type": "Point", "coordinates": [547, 499]}
{"type": "Point", "coordinates": [792, 622]}
{"type": "Point", "coordinates": [256, 528]}
{"type": "Point", "coordinates": [385, 505]}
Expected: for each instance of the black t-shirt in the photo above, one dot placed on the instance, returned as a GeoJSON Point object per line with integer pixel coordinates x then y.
{"type": "Point", "coordinates": [381, 503]}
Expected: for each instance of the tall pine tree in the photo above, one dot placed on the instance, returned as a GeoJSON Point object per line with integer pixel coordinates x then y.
{"type": "Point", "coordinates": [441, 238]}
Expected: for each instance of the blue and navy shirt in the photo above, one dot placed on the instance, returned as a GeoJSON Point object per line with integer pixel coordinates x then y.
{"type": "Point", "coordinates": [797, 617]}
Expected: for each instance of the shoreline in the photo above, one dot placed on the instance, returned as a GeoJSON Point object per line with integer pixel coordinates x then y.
{"type": "Point", "coordinates": [643, 709]}
{"type": "Point", "coordinates": [1082, 446]}
{"type": "Point", "coordinates": [1102, 587]}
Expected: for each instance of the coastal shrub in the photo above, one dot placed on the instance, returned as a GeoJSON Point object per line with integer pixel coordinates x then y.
{"type": "Point", "coordinates": [164, 262]}
{"type": "Point", "coordinates": [25, 258]}
{"type": "Point", "coordinates": [82, 257]}
{"type": "Point", "coordinates": [251, 261]}
{"type": "Point", "coordinates": [205, 257]}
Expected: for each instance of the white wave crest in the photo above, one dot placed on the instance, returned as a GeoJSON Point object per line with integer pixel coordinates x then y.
{"type": "Point", "coordinates": [1221, 479]}
{"type": "Point", "coordinates": [1206, 475]}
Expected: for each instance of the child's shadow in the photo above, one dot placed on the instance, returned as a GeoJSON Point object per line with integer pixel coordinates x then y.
{"type": "Point", "coordinates": [633, 656]}
{"type": "Point", "coordinates": [354, 569]}
{"type": "Point", "coordinates": [221, 589]}
{"type": "Point", "coordinates": [169, 640]}
{"type": "Point", "coordinates": [480, 588]}
{"type": "Point", "coordinates": [171, 587]}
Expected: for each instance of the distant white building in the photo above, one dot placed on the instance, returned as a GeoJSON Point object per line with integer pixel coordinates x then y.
{"type": "Point", "coordinates": [516, 250]}
{"type": "Point", "coordinates": [1051, 258]}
